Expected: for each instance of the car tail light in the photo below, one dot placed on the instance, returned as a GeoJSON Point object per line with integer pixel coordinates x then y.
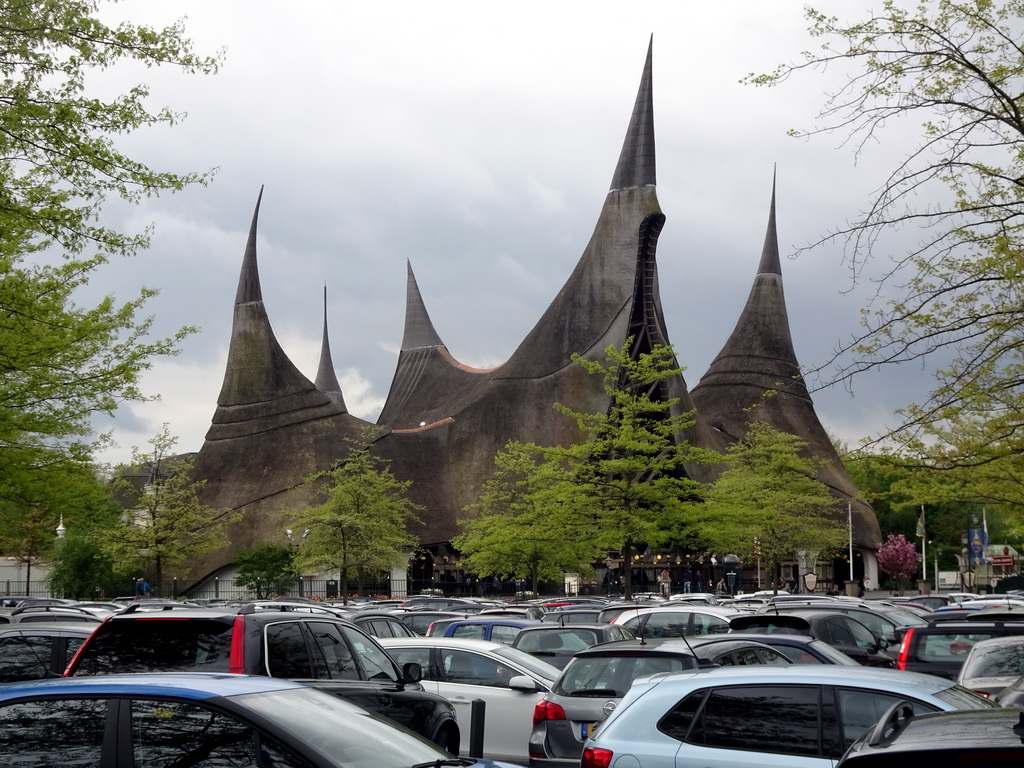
{"type": "Point", "coordinates": [901, 660]}
{"type": "Point", "coordinates": [986, 694]}
{"type": "Point", "coordinates": [596, 758]}
{"type": "Point", "coordinates": [547, 710]}
{"type": "Point", "coordinates": [236, 661]}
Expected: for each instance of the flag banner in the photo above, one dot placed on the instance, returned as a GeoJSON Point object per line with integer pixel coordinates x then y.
{"type": "Point", "coordinates": [920, 525]}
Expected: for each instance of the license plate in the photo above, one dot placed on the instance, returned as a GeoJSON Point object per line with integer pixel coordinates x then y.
{"type": "Point", "coordinates": [586, 729]}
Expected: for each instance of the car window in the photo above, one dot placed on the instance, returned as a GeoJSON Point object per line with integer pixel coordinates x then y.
{"type": "Point", "coordinates": [421, 656]}
{"type": "Point", "coordinates": [470, 631]}
{"type": "Point", "coordinates": [287, 656]}
{"type": "Point", "coordinates": [837, 630]}
{"type": "Point", "coordinates": [173, 733]}
{"type": "Point", "coordinates": [65, 732]}
{"type": "Point", "coordinates": [194, 645]}
{"type": "Point", "coordinates": [613, 675]}
{"type": "Point", "coordinates": [24, 658]}
{"type": "Point", "coordinates": [332, 658]}
{"type": "Point", "coordinates": [504, 634]}
{"type": "Point", "coordinates": [667, 624]}
{"type": "Point", "coordinates": [377, 665]}
{"type": "Point", "coordinates": [860, 709]}
{"type": "Point", "coordinates": [948, 646]}
{"type": "Point", "coordinates": [862, 636]}
{"type": "Point", "coordinates": [760, 718]}
{"type": "Point", "coordinates": [1000, 661]}
{"type": "Point", "coordinates": [474, 669]}
{"type": "Point", "coordinates": [706, 624]}
{"type": "Point", "coordinates": [772, 657]}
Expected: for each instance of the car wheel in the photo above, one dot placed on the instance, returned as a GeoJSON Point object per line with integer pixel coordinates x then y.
{"type": "Point", "coordinates": [447, 738]}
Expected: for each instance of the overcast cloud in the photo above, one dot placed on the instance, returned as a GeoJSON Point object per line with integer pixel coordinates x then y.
{"type": "Point", "coordinates": [478, 140]}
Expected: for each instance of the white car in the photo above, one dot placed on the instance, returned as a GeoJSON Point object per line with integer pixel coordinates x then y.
{"type": "Point", "coordinates": [508, 681]}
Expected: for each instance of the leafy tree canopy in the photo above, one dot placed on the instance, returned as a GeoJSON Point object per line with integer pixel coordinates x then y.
{"type": "Point", "coordinates": [59, 163]}
{"type": "Point", "coordinates": [164, 524]}
{"type": "Point", "coordinates": [363, 522]}
{"type": "Point", "coordinates": [770, 492]}
{"type": "Point", "coordinates": [268, 569]}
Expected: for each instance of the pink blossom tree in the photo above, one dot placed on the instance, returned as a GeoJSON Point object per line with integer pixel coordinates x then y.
{"type": "Point", "coordinates": [898, 558]}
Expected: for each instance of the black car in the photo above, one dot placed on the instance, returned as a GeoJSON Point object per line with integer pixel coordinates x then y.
{"type": "Point", "coordinates": [941, 648]}
{"type": "Point", "coordinates": [320, 650]}
{"type": "Point", "coordinates": [839, 630]}
{"type": "Point", "coordinates": [993, 738]}
{"type": "Point", "coordinates": [379, 623]}
{"type": "Point", "coordinates": [32, 651]}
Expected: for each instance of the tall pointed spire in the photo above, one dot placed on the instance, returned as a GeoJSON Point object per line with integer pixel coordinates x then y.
{"type": "Point", "coordinates": [770, 262]}
{"type": "Point", "coordinates": [262, 387]}
{"type": "Point", "coordinates": [419, 331]}
{"type": "Point", "coordinates": [249, 279]}
{"type": "Point", "coordinates": [326, 379]}
{"type": "Point", "coordinates": [636, 166]}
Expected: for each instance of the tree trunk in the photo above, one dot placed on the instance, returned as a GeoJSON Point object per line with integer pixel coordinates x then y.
{"type": "Point", "coordinates": [627, 570]}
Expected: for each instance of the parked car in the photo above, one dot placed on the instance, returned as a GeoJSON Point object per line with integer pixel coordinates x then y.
{"type": "Point", "coordinates": [33, 651]}
{"type": "Point", "coordinates": [802, 649]}
{"type": "Point", "coordinates": [993, 664]}
{"type": "Point", "coordinates": [993, 738]}
{"type": "Point", "coordinates": [941, 648]}
{"type": "Point", "coordinates": [1012, 695]}
{"type": "Point", "coordinates": [199, 720]}
{"type": "Point", "coordinates": [500, 629]}
{"type": "Point", "coordinates": [323, 651]}
{"type": "Point", "coordinates": [589, 688]}
{"type": "Point", "coordinates": [573, 614]}
{"type": "Point", "coordinates": [766, 716]}
{"type": "Point", "coordinates": [839, 630]}
{"type": "Point", "coordinates": [419, 621]}
{"type": "Point", "coordinates": [508, 681]}
{"type": "Point", "coordinates": [885, 622]}
{"type": "Point", "coordinates": [28, 613]}
{"type": "Point", "coordinates": [557, 644]}
{"type": "Point", "coordinates": [379, 623]}
{"type": "Point", "coordinates": [676, 621]}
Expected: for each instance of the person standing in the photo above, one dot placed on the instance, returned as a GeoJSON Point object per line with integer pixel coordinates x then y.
{"type": "Point", "coordinates": [665, 581]}
{"type": "Point", "coordinates": [138, 587]}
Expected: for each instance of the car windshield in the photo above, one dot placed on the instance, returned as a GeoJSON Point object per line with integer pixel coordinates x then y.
{"type": "Point", "coordinates": [964, 698]}
{"type": "Point", "coordinates": [343, 734]}
{"type": "Point", "coordinates": [195, 645]}
{"type": "Point", "coordinates": [539, 667]}
{"type": "Point", "coordinates": [612, 675]}
{"type": "Point", "coordinates": [1003, 660]}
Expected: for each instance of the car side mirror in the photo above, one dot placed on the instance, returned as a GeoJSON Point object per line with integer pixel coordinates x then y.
{"type": "Point", "coordinates": [412, 672]}
{"type": "Point", "coordinates": [523, 683]}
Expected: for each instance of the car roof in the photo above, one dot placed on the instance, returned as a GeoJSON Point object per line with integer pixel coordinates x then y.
{"type": "Point", "coordinates": [84, 627]}
{"type": "Point", "coordinates": [902, 682]}
{"type": "Point", "coordinates": [974, 733]}
{"type": "Point", "coordinates": [196, 685]}
{"type": "Point", "coordinates": [452, 642]}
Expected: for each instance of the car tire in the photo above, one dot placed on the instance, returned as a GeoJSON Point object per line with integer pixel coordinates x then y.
{"type": "Point", "coordinates": [447, 738]}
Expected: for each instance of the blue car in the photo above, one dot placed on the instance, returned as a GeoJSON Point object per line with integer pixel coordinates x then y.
{"type": "Point", "coordinates": [498, 629]}
{"type": "Point", "coordinates": [198, 719]}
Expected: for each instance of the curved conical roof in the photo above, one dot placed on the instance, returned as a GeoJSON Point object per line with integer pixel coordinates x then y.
{"type": "Point", "coordinates": [756, 377]}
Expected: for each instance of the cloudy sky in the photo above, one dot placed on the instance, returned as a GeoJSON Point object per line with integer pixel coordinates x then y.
{"type": "Point", "coordinates": [477, 140]}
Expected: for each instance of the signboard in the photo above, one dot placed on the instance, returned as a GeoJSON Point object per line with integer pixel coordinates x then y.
{"type": "Point", "coordinates": [1001, 560]}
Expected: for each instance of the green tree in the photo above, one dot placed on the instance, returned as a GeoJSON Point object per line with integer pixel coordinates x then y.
{"type": "Point", "coordinates": [625, 483]}
{"type": "Point", "coordinates": [82, 570]}
{"type": "Point", "coordinates": [514, 529]}
{"type": "Point", "coordinates": [362, 524]}
{"type": "Point", "coordinates": [267, 569]}
{"type": "Point", "coordinates": [164, 523]}
{"type": "Point", "coordinates": [771, 493]}
{"type": "Point", "coordinates": [59, 163]}
{"type": "Point", "coordinates": [954, 67]}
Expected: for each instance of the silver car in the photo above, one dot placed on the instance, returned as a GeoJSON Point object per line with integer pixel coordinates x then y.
{"type": "Point", "coordinates": [797, 716]}
{"type": "Point", "coordinates": [991, 665]}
